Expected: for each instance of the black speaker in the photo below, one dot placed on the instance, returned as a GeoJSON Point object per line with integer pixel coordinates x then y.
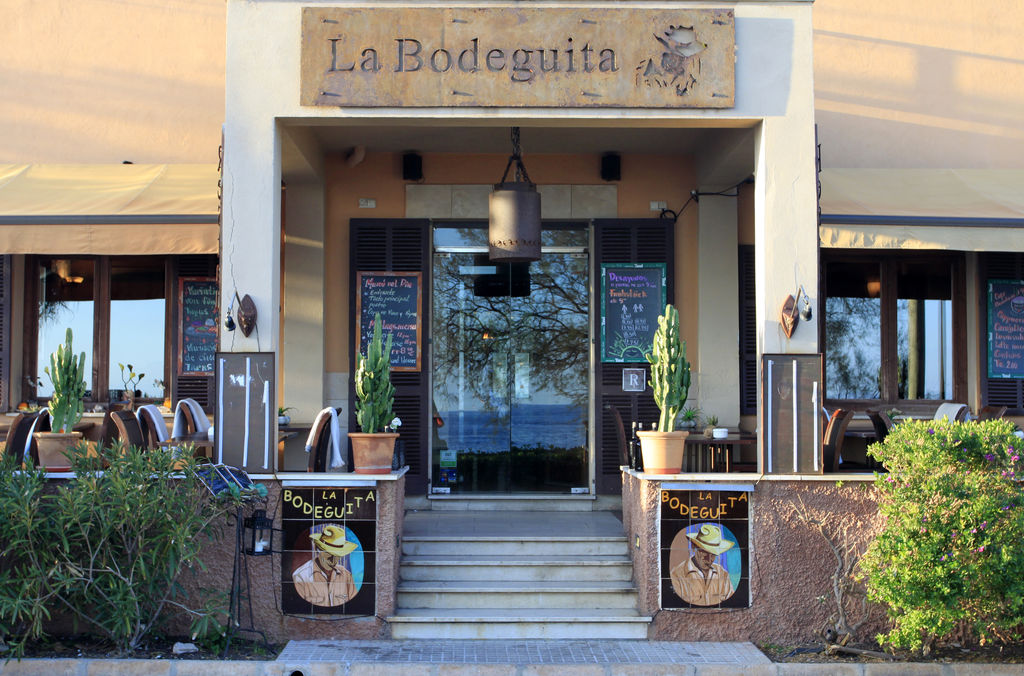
{"type": "Point", "coordinates": [412, 167]}
{"type": "Point", "coordinates": [611, 167]}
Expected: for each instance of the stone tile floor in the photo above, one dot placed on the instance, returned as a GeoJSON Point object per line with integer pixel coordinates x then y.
{"type": "Point", "coordinates": [524, 652]}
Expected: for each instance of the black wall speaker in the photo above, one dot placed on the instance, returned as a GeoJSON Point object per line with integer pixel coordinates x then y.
{"type": "Point", "coordinates": [412, 167]}
{"type": "Point", "coordinates": [611, 168]}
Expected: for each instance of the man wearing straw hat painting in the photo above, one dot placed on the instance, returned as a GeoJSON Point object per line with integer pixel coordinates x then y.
{"type": "Point", "coordinates": [699, 580]}
{"type": "Point", "coordinates": [324, 580]}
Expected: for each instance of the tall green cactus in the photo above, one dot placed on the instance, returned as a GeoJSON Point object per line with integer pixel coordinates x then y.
{"type": "Point", "coordinates": [67, 375]}
{"type": "Point", "coordinates": [373, 383]}
{"type": "Point", "coordinates": [670, 372]}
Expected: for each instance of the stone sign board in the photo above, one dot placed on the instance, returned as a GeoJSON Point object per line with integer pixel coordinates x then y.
{"type": "Point", "coordinates": [518, 57]}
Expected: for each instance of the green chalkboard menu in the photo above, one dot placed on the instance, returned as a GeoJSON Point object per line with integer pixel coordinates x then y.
{"type": "Point", "coordinates": [1006, 328]}
{"type": "Point", "coordinates": [632, 299]}
{"type": "Point", "coordinates": [397, 297]}
{"type": "Point", "coordinates": [197, 325]}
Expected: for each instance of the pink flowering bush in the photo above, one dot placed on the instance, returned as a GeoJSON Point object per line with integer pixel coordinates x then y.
{"type": "Point", "coordinates": [951, 551]}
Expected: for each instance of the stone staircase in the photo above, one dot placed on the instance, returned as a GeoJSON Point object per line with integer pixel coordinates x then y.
{"type": "Point", "coordinates": [515, 575]}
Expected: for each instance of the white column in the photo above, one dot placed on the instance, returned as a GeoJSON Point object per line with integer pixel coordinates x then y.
{"type": "Point", "coordinates": [250, 234]}
{"type": "Point", "coordinates": [718, 330]}
{"type": "Point", "coordinates": [302, 350]}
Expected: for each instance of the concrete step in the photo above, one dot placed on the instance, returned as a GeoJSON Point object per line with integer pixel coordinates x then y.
{"type": "Point", "coordinates": [556, 623]}
{"type": "Point", "coordinates": [464, 594]}
{"type": "Point", "coordinates": [511, 568]}
{"type": "Point", "coordinates": [510, 546]}
{"type": "Point", "coordinates": [498, 503]}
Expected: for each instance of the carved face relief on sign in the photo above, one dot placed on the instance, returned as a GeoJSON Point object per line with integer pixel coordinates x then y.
{"type": "Point", "coordinates": [505, 56]}
{"type": "Point", "coordinates": [678, 66]}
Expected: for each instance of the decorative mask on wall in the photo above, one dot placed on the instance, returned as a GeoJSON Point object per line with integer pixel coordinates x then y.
{"type": "Point", "coordinates": [247, 315]}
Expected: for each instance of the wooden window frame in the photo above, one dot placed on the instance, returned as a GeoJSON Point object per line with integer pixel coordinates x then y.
{"type": "Point", "coordinates": [888, 262]}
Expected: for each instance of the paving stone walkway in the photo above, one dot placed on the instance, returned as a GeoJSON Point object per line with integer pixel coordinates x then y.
{"type": "Point", "coordinates": [523, 652]}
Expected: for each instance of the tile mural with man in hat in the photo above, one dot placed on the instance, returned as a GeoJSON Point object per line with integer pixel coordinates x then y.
{"type": "Point", "coordinates": [327, 567]}
{"type": "Point", "coordinates": [705, 560]}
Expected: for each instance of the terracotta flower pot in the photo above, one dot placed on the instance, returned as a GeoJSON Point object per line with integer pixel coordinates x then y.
{"type": "Point", "coordinates": [372, 453]}
{"type": "Point", "coordinates": [662, 451]}
{"type": "Point", "coordinates": [52, 449]}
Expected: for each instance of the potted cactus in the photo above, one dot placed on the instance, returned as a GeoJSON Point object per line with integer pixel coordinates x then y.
{"type": "Point", "coordinates": [374, 447]}
{"type": "Point", "coordinates": [66, 372]}
{"type": "Point", "coordinates": [662, 449]}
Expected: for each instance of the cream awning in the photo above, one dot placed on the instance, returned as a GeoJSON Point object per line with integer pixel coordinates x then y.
{"type": "Point", "coordinates": [109, 209]}
{"type": "Point", "coordinates": [956, 209]}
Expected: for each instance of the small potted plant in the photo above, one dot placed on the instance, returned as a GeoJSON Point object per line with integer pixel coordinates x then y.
{"type": "Point", "coordinates": [282, 415]}
{"type": "Point", "coordinates": [131, 384]}
{"type": "Point", "coordinates": [710, 424]}
{"type": "Point", "coordinates": [374, 447]}
{"type": "Point", "coordinates": [66, 373]}
{"type": "Point", "coordinates": [688, 417]}
{"type": "Point", "coordinates": [662, 449]}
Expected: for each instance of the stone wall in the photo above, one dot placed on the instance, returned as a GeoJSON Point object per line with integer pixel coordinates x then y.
{"type": "Point", "coordinates": [791, 565]}
{"type": "Point", "coordinates": [265, 576]}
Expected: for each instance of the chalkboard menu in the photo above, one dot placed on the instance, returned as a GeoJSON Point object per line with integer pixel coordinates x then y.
{"type": "Point", "coordinates": [1006, 328]}
{"type": "Point", "coordinates": [197, 325]}
{"type": "Point", "coordinates": [632, 299]}
{"type": "Point", "coordinates": [397, 297]}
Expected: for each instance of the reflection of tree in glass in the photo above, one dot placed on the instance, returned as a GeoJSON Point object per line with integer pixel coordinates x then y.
{"type": "Point", "coordinates": [852, 348]}
{"type": "Point", "coordinates": [550, 325]}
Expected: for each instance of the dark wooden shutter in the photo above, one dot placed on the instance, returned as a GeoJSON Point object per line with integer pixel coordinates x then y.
{"type": "Point", "coordinates": [1007, 392]}
{"type": "Point", "coordinates": [397, 246]}
{"type": "Point", "coordinates": [748, 330]}
{"type": "Point", "coordinates": [619, 241]}
{"type": "Point", "coordinates": [200, 388]}
{"type": "Point", "coordinates": [5, 332]}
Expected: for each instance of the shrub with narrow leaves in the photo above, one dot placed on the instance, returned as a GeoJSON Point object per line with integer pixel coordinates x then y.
{"type": "Point", "coordinates": [109, 547]}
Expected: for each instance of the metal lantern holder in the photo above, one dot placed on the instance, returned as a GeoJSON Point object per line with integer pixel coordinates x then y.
{"type": "Point", "coordinates": [260, 534]}
{"type": "Point", "coordinates": [217, 478]}
{"type": "Point", "coordinates": [514, 227]}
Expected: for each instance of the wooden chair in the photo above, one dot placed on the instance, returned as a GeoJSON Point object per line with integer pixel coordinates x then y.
{"type": "Point", "coordinates": [955, 412]}
{"type": "Point", "coordinates": [991, 412]}
{"type": "Point", "coordinates": [108, 433]}
{"type": "Point", "coordinates": [148, 423]}
{"type": "Point", "coordinates": [882, 423]}
{"type": "Point", "coordinates": [18, 439]}
{"type": "Point", "coordinates": [190, 421]}
{"type": "Point", "coordinates": [620, 435]}
{"type": "Point", "coordinates": [835, 432]}
{"type": "Point", "coordinates": [126, 428]}
{"type": "Point", "coordinates": [321, 444]}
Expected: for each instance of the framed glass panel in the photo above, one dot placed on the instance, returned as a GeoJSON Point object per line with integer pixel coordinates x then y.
{"type": "Point", "coordinates": [924, 331]}
{"type": "Point", "coordinates": [137, 337]}
{"type": "Point", "coordinates": [853, 330]}
{"type": "Point", "coordinates": [66, 291]}
{"type": "Point", "coordinates": [510, 359]}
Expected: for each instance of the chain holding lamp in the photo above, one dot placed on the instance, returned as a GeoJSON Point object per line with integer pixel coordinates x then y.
{"type": "Point", "coordinates": [514, 227]}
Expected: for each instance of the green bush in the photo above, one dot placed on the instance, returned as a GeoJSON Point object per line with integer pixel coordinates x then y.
{"type": "Point", "coordinates": [951, 552]}
{"type": "Point", "coordinates": [107, 548]}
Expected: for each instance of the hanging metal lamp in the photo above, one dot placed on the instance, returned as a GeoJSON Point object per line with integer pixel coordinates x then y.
{"type": "Point", "coordinates": [514, 228]}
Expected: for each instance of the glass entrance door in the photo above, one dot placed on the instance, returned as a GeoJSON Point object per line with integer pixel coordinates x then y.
{"type": "Point", "coordinates": [511, 364]}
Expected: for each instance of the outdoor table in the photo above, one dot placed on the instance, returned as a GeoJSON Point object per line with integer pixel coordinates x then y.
{"type": "Point", "coordinates": [204, 444]}
{"type": "Point", "coordinates": [706, 454]}
{"type": "Point", "coordinates": [80, 426]}
{"type": "Point", "coordinates": [201, 440]}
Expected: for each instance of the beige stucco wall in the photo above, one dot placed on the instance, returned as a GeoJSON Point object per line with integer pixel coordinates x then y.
{"type": "Point", "coordinates": [914, 84]}
{"type": "Point", "coordinates": [108, 81]}
{"type": "Point", "coordinates": [265, 576]}
{"type": "Point", "coordinates": [782, 550]}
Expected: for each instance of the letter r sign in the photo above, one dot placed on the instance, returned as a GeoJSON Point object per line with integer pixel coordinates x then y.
{"type": "Point", "coordinates": [634, 380]}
